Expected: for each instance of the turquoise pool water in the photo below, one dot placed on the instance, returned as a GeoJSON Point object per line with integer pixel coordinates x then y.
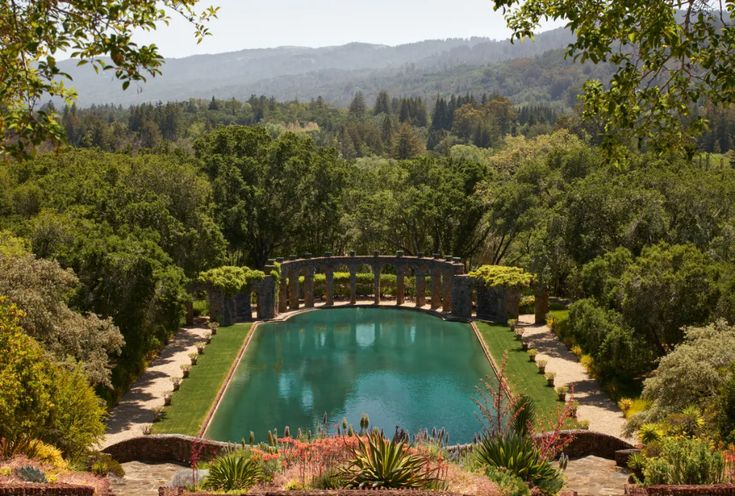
{"type": "Point", "coordinates": [401, 368]}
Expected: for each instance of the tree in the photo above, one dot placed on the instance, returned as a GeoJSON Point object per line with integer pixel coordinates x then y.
{"type": "Point", "coordinates": [357, 107]}
{"type": "Point", "coordinates": [33, 34]}
{"type": "Point", "coordinates": [40, 399]}
{"type": "Point", "coordinates": [42, 289]}
{"type": "Point", "coordinates": [668, 55]}
{"type": "Point", "coordinates": [273, 196]}
{"type": "Point", "coordinates": [692, 374]}
{"type": "Point", "coordinates": [382, 104]}
{"type": "Point", "coordinates": [406, 142]}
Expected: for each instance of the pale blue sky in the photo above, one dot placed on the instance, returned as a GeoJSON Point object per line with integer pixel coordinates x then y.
{"type": "Point", "coordinates": [315, 23]}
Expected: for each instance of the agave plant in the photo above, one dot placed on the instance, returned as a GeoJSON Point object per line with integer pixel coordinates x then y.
{"type": "Point", "coordinates": [30, 473]}
{"type": "Point", "coordinates": [382, 464]}
{"type": "Point", "coordinates": [517, 454]}
{"type": "Point", "coordinates": [233, 471]}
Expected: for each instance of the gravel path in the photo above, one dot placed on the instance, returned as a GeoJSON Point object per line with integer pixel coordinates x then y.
{"type": "Point", "coordinates": [594, 405]}
{"type": "Point", "coordinates": [594, 476]}
{"type": "Point", "coordinates": [136, 409]}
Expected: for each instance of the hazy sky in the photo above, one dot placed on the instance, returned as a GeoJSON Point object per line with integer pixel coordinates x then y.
{"type": "Point", "coordinates": [270, 23]}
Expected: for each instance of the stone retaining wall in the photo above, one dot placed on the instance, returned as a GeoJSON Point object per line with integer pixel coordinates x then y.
{"type": "Point", "coordinates": [174, 448]}
{"type": "Point", "coordinates": [165, 448]}
{"type": "Point", "coordinates": [591, 443]}
{"type": "Point", "coordinates": [683, 490]}
{"type": "Point", "coordinates": [45, 490]}
{"type": "Point", "coordinates": [170, 491]}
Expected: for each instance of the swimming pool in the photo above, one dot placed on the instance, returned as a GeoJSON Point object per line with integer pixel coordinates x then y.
{"type": "Point", "coordinates": [400, 367]}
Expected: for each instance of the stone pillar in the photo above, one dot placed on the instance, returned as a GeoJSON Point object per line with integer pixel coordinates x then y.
{"type": "Point", "coordinates": [267, 298]}
{"type": "Point", "coordinates": [243, 309]}
{"type": "Point", "coordinates": [400, 286]}
{"type": "Point", "coordinates": [420, 283]}
{"type": "Point", "coordinates": [542, 305]}
{"type": "Point", "coordinates": [462, 297]}
{"type": "Point", "coordinates": [436, 288]}
{"type": "Point", "coordinates": [511, 302]}
{"type": "Point", "coordinates": [448, 278]}
{"type": "Point", "coordinates": [486, 302]}
{"type": "Point", "coordinates": [283, 293]}
{"type": "Point", "coordinates": [217, 307]}
{"type": "Point", "coordinates": [189, 313]}
{"type": "Point", "coordinates": [376, 284]}
{"type": "Point", "coordinates": [293, 287]}
{"type": "Point", "coordinates": [329, 287]}
{"type": "Point", "coordinates": [353, 284]}
{"type": "Point", "coordinates": [309, 288]}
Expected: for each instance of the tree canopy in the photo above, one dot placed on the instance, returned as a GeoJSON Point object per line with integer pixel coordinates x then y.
{"type": "Point", "coordinates": [33, 34]}
{"type": "Point", "coordinates": [667, 56]}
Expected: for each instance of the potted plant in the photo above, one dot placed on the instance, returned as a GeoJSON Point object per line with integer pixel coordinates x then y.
{"type": "Point", "coordinates": [176, 381]}
{"type": "Point", "coordinates": [200, 348]}
{"type": "Point", "coordinates": [541, 366]}
{"type": "Point", "coordinates": [561, 392]}
{"type": "Point", "coordinates": [185, 368]}
{"type": "Point", "coordinates": [194, 356]}
{"type": "Point", "coordinates": [213, 326]}
{"type": "Point", "coordinates": [512, 323]}
{"type": "Point", "coordinates": [147, 429]}
{"type": "Point", "coordinates": [550, 376]}
{"type": "Point", "coordinates": [157, 413]}
{"type": "Point", "coordinates": [573, 406]}
{"type": "Point", "coordinates": [524, 344]}
{"type": "Point", "coordinates": [532, 354]}
{"type": "Point", "coordinates": [208, 337]}
{"type": "Point", "coordinates": [167, 399]}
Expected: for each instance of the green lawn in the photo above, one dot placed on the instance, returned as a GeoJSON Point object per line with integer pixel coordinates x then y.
{"type": "Point", "coordinates": [522, 375]}
{"type": "Point", "coordinates": [190, 404]}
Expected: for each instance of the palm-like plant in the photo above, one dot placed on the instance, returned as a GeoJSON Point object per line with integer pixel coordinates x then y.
{"type": "Point", "coordinates": [233, 471]}
{"type": "Point", "coordinates": [379, 463]}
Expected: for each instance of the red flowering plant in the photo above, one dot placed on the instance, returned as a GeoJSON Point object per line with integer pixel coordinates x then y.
{"type": "Point", "coordinates": [316, 457]}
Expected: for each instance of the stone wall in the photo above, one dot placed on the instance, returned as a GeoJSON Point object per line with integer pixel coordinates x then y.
{"type": "Point", "coordinates": [169, 491]}
{"type": "Point", "coordinates": [174, 448]}
{"type": "Point", "coordinates": [683, 490]}
{"type": "Point", "coordinates": [497, 303]}
{"type": "Point", "coordinates": [45, 490]}
{"type": "Point", "coordinates": [591, 443]}
{"type": "Point", "coordinates": [165, 448]}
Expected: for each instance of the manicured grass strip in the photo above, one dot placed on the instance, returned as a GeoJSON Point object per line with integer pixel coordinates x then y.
{"type": "Point", "coordinates": [522, 375]}
{"type": "Point", "coordinates": [190, 404]}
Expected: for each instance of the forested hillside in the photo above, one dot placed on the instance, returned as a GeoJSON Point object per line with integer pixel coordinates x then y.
{"type": "Point", "coordinates": [334, 73]}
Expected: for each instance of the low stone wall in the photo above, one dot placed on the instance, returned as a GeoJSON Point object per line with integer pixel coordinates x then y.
{"type": "Point", "coordinates": [591, 443]}
{"type": "Point", "coordinates": [174, 448]}
{"type": "Point", "coordinates": [171, 491]}
{"type": "Point", "coordinates": [165, 448]}
{"type": "Point", "coordinates": [683, 490]}
{"type": "Point", "coordinates": [45, 490]}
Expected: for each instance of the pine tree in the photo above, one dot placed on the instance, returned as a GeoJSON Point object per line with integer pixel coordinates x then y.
{"type": "Point", "coordinates": [382, 104]}
{"type": "Point", "coordinates": [357, 107]}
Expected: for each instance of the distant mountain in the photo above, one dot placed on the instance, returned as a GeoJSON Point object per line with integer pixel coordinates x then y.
{"type": "Point", "coordinates": [335, 73]}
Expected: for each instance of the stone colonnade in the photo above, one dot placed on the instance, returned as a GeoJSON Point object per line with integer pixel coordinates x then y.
{"type": "Point", "coordinates": [442, 271]}
{"type": "Point", "coordinates": [452, 291]}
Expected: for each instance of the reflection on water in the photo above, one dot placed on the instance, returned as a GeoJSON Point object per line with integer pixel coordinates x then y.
{"type": "Point", "coordinates": [402, 368]}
